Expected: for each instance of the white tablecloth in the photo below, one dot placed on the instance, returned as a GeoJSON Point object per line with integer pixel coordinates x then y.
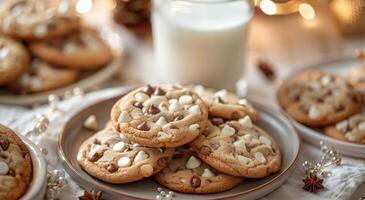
{"type": "Point", "coordinates": [339, 186]}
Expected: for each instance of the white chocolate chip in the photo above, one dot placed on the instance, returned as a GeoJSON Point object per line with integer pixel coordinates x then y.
{"type": "Point", "coordinates": [161, 121]}
{"type": "Point", "coordinates": [185, 99]}
{"type": "Point", "coordinates": [325, 80]}
{"type": "Point", "coordinates": [162, 136]}
{"type": "Point", "coordinates": [265, 140]}
{"type": "Point", "coordinates": [247, 137]}
{"type": "Point", "coordinates": [193, 127]}
{"type": "Point", "coordinates": [255, 141]}
{"type": "Point", "coordinates": [228, 131]}
{"type": "Point", "coordinates": [193, 163]}
{"type": "Point", "coordinates": [124, 162]}
{"type": "Point", "coordinates": [69, 48]}
{"type": "Point", "coordinates": [243, 102]}
{"type": "Point", "coordinates": [361, 126]}
{"type": "Point", "coordinates": [355, 136]}
{"type": "Point", "coordinates": [243, 160]}
{"type": "Point", "coordinates": [240, 145]}
{"type": "Point", "coordinates": [163, 106]}
{"type": "Point", "coordinates": [342, 126]}
{"type": "Point", "coordinates": [314, 113]}
{"type": "Point", "coordinates": [141, 97]}
{"type": "Point", "coordinates": [221, 93]}
{"type": "Point", "coordinates": [260, 157]}
{"type": "Point", "coordinates": [141, 155]}
{"type": "Point", "coordinates": [124, 117]}
{"type": "Point", "coordinates": [146, 170]}
{"type": "Point", "coordinates": [315, 86]}
{"type": "Point", "coordinates": [4, 52]}
{"type": "Point", "coordinates": [4, 168]}
{"type": "Point", "coordinates": [91, 123]}
{"type": "Point", "coordinates": [120, 146]}
{"type": "Point", "coordinates": [40, 30]}
{"type": "Point", "coordinates": [246, 122]}
{"type": "Point", "coordinates": [207, 173]}
{"type": "Point", "coordinates": [36, 83]}
{"type": "Point", "coordinates": [199, 89]}
{"type": "Point", "coordinates": [174, 105]}
{"type": "Point", "coordinates": [81, 155]}
{"type": "Point", "coordinates": [195, 109]}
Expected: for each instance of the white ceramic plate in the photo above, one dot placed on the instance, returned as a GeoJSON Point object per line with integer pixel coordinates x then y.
{"type": "Point", "coordinates": [74, 134]}
{"type": "Point", "coordinates": [339, 63]}
{"type": "Point", "coordinates": [113, 39]}
{"type": "Point", "coordinates": [37, 187]}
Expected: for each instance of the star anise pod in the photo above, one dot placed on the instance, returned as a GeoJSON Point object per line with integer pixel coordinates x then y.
{"type": "Point", "coordinates": [312, 183]}
{"type": "Point", "coordinates": [91, 195]}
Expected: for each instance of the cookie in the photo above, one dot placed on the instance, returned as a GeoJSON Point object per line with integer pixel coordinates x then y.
{"type": "Point", "coordinates": [83, 49]}
{"type": "Point", "coordinates": [160, 116]}
{"type": "Point", "coordinates": [187, 173]}
{"type": "Point", "coordinates": [318, 99]}
{"type": "Point", "coordinates": [41, 77]}
{"type": "Point", "coordinates": [15, 165]}
{"type": "Point", "coordinates": [351, 129]}
{"type": "Point", "coordinates": [238, 148]}
{"type": "Point", "coordinates": [35, 19]}
{"type": "Point", "coordinates": [225, 104]}
{"type": "Point", "coordinates": [14, 60]}
{"type": "Point", "coordinates": [109, 157]}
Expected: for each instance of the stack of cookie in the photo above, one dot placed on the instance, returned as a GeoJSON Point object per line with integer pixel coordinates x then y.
{"type": "Point", "coordinates": [44, 46]}
{"type": "Point", "coordinates": [326, 101]}
{"type": "Point", "coordinates": [191, 139]}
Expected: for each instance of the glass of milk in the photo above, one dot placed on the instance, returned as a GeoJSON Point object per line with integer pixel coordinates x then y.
{"type": "Point", "coordinates": [200, 41]}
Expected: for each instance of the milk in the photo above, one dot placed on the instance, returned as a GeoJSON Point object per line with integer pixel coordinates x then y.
{"type": "Point", "coordinates": [200, 43]}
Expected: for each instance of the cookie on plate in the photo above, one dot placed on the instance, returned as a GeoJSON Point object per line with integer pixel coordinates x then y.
{"type": "Point", "coordinates": [41, 77]}
{"type": "Point", "coordinates": [15, 165]}
{"type": "Point", "coordinates": [238, 148]}
{"type": "Point", "coordinates": [14, 60]}
{"type": "Point", "coordinates": [187, 173]}
{"type": "Point", "coordinates": [108, 156]}
{"type": "Point", "coordinates": [351, 129]}
{"type": "Point", "coordinates": [318, 99]}
{"type": "Point", "coordinates": [35, 19]}
{"type": "Point", "coordinates": [83, 49]}
{"type": "Point", "coordinates": [225, 104]}
{"type": "Point", "coordinates": [160, 116]}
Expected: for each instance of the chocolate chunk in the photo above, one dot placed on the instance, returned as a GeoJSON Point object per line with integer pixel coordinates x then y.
{"type": "Point", "coordinates": [179, 117]}
{"type": "Point", "coordinates": [111, 167]}
{"type": "Point", "coordinates": [215, 145]}
{"type": "Point", "coordinates": [153, 110]}
{"type": "Point", "coordinates": [235, 115]}
{"type": "Point", "coordinates": [143, 126]}
{"type": "Point", "coordinates": [218, 99]}
{"type": "Point", "coordinates": [94, 157]}
{"type": "Point", "coordinates": [177, 155]}
{"type": "Point", "coordinates": [138, 105]}
{"type": "Point", "coordinates": [96, 141]}
{"type": "Point", "coordinates": [159, 92]}
{"type": "Point", "coordinates": [338, 107]}
{"type": "Point", "coordinates": [205, 150]}
{"type": "Point", "coordinates": [162, 162]}
{"type": "Point", "coordinates": [217, 121]}
{"type": "Point", "coordinates": [173, 126]}
{"type": "Point", "coordinates": [195, 181]}
{"type": "Point", "coordinates": [11, 172]}
{"type": "Point", "coordinates": [148, 90]}
{"type": "Point", "coordinates": [4, 143]}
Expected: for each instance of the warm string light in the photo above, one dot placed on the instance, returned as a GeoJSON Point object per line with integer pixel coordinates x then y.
{"type": "Point", "coordinates": [84, 6]}
{"type": "Point", "coordinates": [268, 7]}
{"type": "Point", "coordinates": [271, 7]}
{"type": "Point", "coordinates": [306, 11]}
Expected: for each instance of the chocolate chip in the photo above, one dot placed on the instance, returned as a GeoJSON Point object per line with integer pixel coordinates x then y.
{"type": "Point", "coordinates": [215, 145]}
{"type": "Point", "coordinates": [173, 127]}
{"type": "Point", "coordinates": [205, 150]}
{"type": "Point", "coordinates": [218, 99]}
{"type": "Point", "coordinates": [235, 115]}
{"type": "Point", "coordinates": [111, 167]}
{"type": "Point", "coordinates": [153, 110]}
{"type": "Point", "coordinates": [159, 92]}
{"type": "Point", "coordinates": [177, 155]}
{"type": "Point", "coordinates": [162, 162]}
{"type": "Point", "coordinates": [4, 143]}
{"type": "Point", "coordinates": [148, 90]}
{"type": "Point", "coordinates": [195, 181]}
{"type": "Point", "coordinates": [234, 125]}
{"type": "Point", "coordinates": [143, 126]}
{"type": "Point", "coordinates": [217, 121]}
{"type": "Point", "coordinates": [338, 107]}
{"type": "Point", "coordinates": [96, 141]}
{"type": "Point", "coordinates": [94, 157]}
{"type": "Point", "coordinates": [179, 117]}
{"type": "Point", "coordinates": [138, 105]}
{"type": "Point", "coordinates": [11, 172]}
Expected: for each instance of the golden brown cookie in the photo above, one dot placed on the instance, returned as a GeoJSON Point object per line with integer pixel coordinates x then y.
{"type": "Point", "coordinates": [160, 116]}
{"type": "Point", "coordinates": [225, 104]}
{"type": "Point", "coordinates": [187, 173]}
{"type": "Point", "coordinates": [37, 19]}
{"type": "Point", "coordinates": [109, 157]}
{"type": "Point", "coordinates": [83, 49]}
{"type": "Point", "coordinates": [318, 99]}
{"type": "Point", "coordinates": [351, 129]}
{"type": "Point", "coordinates": [15, 165]}
{"type": "Point", "coordinates": [42, 77]}
{"type": "Point", "coordinates": [14, 60]}
{"type": "Point", "coordinates": [238, 148]}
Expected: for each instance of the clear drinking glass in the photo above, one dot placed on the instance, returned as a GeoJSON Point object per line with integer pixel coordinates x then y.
{"type": "Point", "coordinates": [200, 41]}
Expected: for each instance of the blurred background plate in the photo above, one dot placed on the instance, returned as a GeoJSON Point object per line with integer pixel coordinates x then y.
{"type": "Point", "coordinates": [74, 134]}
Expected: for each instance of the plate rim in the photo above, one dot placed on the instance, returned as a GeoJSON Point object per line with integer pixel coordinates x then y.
{"type": "Point", "coordinates": [282, 118]}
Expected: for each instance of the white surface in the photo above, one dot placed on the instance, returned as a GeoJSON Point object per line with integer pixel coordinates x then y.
{"type": "Point", "coordinates": [201, 43]}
